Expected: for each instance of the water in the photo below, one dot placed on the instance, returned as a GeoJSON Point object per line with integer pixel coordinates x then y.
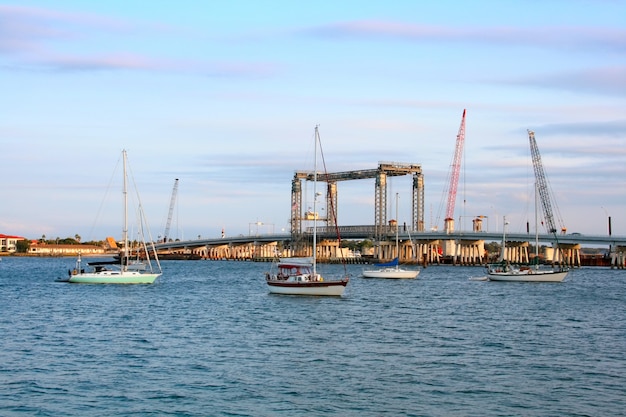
{"type": "Point", "coordinates": [209, 340]}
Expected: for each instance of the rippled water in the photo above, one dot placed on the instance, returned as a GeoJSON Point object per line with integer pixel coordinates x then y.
{"type": "Point", "coordinates": [209, 340]}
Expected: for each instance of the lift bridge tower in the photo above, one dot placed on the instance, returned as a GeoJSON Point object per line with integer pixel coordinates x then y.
{"type": "Point", "coordinates": [384, 170]}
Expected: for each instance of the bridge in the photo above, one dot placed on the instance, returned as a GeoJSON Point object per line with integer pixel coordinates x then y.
{"type": "Point", "coordinates": [464, 247]}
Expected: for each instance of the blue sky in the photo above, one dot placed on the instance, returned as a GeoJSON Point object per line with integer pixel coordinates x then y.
{"type": "Point", "coordinates": [225, 96]}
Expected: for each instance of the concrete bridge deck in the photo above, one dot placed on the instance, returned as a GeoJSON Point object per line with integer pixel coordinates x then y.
{"type": "Point", "coordinates": [367, 232]}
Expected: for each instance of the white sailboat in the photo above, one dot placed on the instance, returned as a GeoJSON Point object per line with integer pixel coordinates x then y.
{"type": "Point", "coordinates": [298, 276]}
{"type": "Point", "coordinates": [504, 271]}
{"type": "Point", "coordinates": [120, 271]}
{"type": "Point", "coordinates": [392, 269]}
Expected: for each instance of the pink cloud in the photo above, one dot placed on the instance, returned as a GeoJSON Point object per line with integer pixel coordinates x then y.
{"type": "Point", "coordinates": [32, 38]}
{"type": "Point", "coordinates": [605, 80]}
{"type": "Point", "coordinates": [28, 29]}
{"type": "Point", "coordinates": [554, 36]}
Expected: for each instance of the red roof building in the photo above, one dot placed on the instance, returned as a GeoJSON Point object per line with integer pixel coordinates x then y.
{"type": "Point", "coordinates": [9, 243]}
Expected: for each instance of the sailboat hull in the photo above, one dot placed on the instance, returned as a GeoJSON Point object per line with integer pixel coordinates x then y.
{"type": "Point", "coordinates": [333, 288]}
{"type": "Point", "coordinates": [114, 277]}
{"type": "Point", "coordinates": [391, 273]}
{"type": "Point", "coordinates": [528, 276]}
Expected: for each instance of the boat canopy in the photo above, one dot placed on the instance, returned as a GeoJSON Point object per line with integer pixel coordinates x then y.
{"type": "Point", "coordinates": [393, 262]}
{"type": "Point", "coordinates": [294, 269]}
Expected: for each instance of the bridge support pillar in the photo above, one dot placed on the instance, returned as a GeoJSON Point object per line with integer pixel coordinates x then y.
{"type": "Point", "coordinates": [427, 251]}
{"type": "Point", "coordinates": [216, 252]}
{"type": "Point", "coordinates": [386, 251]}
{"type": "Point", "coordinates": [618, 257]}
{"type": "Point", "coordinates": [516, 252]}
{"type": "Point", "coordinates": [469, 252]}
{"type": "Point", "coordinates": [566, 254]}
{"type": "Point", "coordinates": [265, 250]}
{"type": "Point", "coordinates": [327, 249]}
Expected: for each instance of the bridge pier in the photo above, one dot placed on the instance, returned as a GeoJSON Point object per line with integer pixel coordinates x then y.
{"type": "Point", "coordinates": [618, 257]}
{"type": "Point", "coordinates": [427, 251]}
{"type": "Point", "coordinates": [422, 251]}
{"type": "Point", "coordinates": [244, 251]}
{"type": "Point", "coordinates": [566, 254]}
{"type": "Point", "coordinates": [468, 252]}
{"type": "Point", "coordinates": [386, 251]}
{"type": "Point", "coordinates": [326, 249]}
{"type": "Point", "coordinates": [516, 252]}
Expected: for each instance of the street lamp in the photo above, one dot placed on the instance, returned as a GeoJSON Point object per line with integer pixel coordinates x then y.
{"type": "Point", "coordinates": [257, 224]}
{"type": "Point", "coordinates": [250, 228]}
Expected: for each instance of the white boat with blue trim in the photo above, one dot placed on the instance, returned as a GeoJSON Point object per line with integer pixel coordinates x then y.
{"type": "Point", "coordinates": [122, 270]}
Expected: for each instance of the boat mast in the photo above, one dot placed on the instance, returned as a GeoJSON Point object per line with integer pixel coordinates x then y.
{"type": "Point", "coordinates": [397, 239]}
{"type": "Point", "coordinates": [502, 251]}
{"type": "Point", "coordinates": [125, 230]}
{"type": "Point", "coordinates": [314, 202]}
{"type": "Point", "coordinates": [536, 228]}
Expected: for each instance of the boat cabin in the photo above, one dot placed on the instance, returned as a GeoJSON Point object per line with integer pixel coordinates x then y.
{"type": "Point", "coordinates": [296, 272]}
{"type": "Point", "coordinates": [290, 270]}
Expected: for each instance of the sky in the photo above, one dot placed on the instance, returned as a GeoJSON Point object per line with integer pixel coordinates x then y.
{"type": "Point", "coordinates": [225, 97]}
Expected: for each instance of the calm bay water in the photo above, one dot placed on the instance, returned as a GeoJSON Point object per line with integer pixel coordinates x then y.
{"type": "Point", "coordinates": [209, 340]}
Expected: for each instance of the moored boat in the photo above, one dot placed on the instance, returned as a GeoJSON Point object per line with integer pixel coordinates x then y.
{"type": "Point", "coordinates": [504, 271]}
{"type": "Point", "coordinates": [510, 273]}
{"type": "Point", "coordinates": [392, 269]}
{"type": "Point", "coordinates": [298, 276]}
{"type": "Point", "coordinates": [122, 270]}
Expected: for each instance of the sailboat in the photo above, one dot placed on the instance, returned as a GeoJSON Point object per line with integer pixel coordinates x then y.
{"type": "Point", "coordinates": [392, 269]}
{"type": "Point", "coordinates": [299, 276]}
{"type": "Point", "coordinates": [504, 271]}
{"type": "Point", "coordinates": [120, 270]}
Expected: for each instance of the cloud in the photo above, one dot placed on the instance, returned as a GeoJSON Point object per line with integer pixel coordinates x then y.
{"type": "Point", "coordinates": [32, 39]}
{"type": "Point", "coordinates": [607, 80]}
{"type": "Point", "coordinates": [27, 29]}
{"type": "Point", "coordinates": [613, 128]}
{"type": "Point", "coordinates": [554, 36]}
{"type": "Point", "coordinates": [103, 62]}
{"type": "Point", "coordinates": [140, 62]}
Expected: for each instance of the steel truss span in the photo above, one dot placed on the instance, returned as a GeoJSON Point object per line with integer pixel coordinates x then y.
{"type": "Point", "coordinates": [384, 170]}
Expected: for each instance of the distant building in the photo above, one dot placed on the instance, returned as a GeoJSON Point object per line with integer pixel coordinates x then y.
{"type": "Point", "coordinates": [9, 243]}
{"type": "Point", "coordinates": [44, 249]}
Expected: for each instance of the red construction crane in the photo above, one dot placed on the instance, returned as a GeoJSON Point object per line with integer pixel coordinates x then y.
{"type": "Point", "coordinates": [455, 170]}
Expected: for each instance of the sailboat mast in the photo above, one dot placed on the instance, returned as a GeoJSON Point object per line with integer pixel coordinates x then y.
{"type": "Point", "coordinates": [397, 238]}
{"type": "Point", "coordinates": [503, 250]}
{"type": "Point", "coordinates": [315, 202]}
{"type": "Point", "coordinates": [536, 228]}
{"type": "Point", "coordinates": [125, 230]}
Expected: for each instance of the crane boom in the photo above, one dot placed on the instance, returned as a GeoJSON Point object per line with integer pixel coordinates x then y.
{"type": "Point", "coordinates": [171, 211]}
{"type": "Point", "coordinates": [455, 170]}
{"type": "Point", "coordinates": [542, 183]}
